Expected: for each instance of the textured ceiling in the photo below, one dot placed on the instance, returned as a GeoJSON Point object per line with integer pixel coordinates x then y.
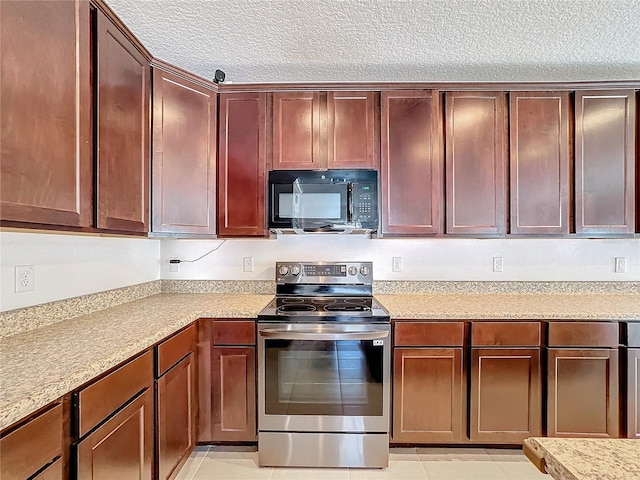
{"type": "Point", "coordinates": [392, 40]}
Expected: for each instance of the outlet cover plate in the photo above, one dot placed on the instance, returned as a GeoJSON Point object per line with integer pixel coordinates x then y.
{"type": "Point", "coordinates": [247, 264]}
{"type": "Point", "coordinates": [25, 280]}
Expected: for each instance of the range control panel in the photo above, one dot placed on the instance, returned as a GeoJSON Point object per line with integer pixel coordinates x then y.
{"type": "Point", "coordinates": [324, 272]}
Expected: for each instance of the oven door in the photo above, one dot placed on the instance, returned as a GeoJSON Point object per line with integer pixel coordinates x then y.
{"type": "Point", "coordinates": [323, 377]}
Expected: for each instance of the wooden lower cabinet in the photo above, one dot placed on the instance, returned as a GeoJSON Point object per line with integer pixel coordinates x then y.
{"type": "Point", "coordinates": [115, 424]}
{"type": "Point", "coordinates": [176, 417]}
{"type": "Point", "coordinates": [633, 393]}
{"type": "Point", "coordinates": [52, 472]}
{"type": "Point", "coordinates": [506, 404]}
{"type": "Point", "coordinates": [582, 393]}
{"type": "Point", "coordinates": [234, 393]}
{"type": "Point", "coordinates": [122, 447]}
{"type": "Point", "coordinates": [32, 446]}
{"type": "Point", "coordinates": [429, 395]}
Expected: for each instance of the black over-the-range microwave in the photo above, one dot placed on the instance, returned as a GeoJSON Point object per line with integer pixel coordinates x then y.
{"type": "Point", "coordinates": [323, 200]}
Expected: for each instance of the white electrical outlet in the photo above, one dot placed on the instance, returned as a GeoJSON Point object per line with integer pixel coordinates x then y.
{"type": "Point", "coordinates": [174, 267]}
{"type": "Point", "coordinates": [248, 264]}
{"type": "Point", "coordinates": [497, 264]}
{"type": "Point", "coordinates": [396, 264]}
{"type": "Point", "coordinates": [621, 264]}
{"type": "Point", "coordinates": [25, 278]}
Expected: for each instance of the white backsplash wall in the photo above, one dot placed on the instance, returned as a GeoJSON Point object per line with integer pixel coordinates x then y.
{"type": "Point", "coordinates": [71, 265]}
{"type": "Point", "coordinates": [453, 259]}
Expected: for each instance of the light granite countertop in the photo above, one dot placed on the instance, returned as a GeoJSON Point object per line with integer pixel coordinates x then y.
{"type": "Point", "coordinates": [588, 458]}
{"type": "Point", "coordinates": [505, 306]}
{"type": "Point", "coordinates": [41, 365]}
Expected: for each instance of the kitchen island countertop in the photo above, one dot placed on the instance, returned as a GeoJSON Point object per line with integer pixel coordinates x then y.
{"type": "Point", "coordinates": [586, 458]}
{"type": "Point", "coordinates": [41, 365]}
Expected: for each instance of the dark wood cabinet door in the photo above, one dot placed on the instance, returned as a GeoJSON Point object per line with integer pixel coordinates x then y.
{"type": "Point", "coordinates": [122, 447]}
{"type": "Point", "coordinates": [582, 393]}
{"type": "Point", "coordinates": [184, 155]}
{"type": "Point", "coordinates": [475, 163]}
{"type": "Point", "coordinates": [351, 132]}
{"type": "Point", "coordinates": [33, 445]}
{"type": "Point", "coordinates": [633, 393]}
{"type": "Point", "coordinates": [234, 393]}
{"type": "Point", "coordinates": [539, 159]}
{"type": "Point", "coordinates": [46, 163]}
{"type": "Point", "coordinates": [176, 422]}
{"type": "Point", "coordinates": [52, 472]}
{"type": "Point", "coordinates": [506, 403]}
{"type": "Point", "coordinates": [123, 89]}
{"type": "Point", "coordinates": [242, 164]}
{"type": "Point", "coordinates": [433, 377]}
{"type": "Point", "coordinates": [604, 162]}
{"type": "Point", "coordinates": [411, 163]}
{"type": "Point", "coordinates": [296, 130]}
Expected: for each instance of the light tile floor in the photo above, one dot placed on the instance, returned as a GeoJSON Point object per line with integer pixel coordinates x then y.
{"type": "Point", "coordinates": [218, 463]}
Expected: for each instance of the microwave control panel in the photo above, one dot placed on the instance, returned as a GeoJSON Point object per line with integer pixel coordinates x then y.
{"type": "Point", "coordinates": [364, 208]}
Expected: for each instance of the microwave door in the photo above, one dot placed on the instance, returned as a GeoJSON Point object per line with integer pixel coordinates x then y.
{"type": "Point", "coordinates": [297, 220]}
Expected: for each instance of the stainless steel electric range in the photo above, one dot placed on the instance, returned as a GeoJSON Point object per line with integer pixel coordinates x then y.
{"type": "Point", "coordinates": [324, 349]}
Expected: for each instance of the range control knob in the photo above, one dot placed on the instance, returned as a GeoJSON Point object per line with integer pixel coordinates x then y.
{"type": "Point", "coordinates": [353, 270]}
{"type": "Point", "coordinates": [365, 271]}
{"type": "Point", "coordinates": [284, 270]}
{"type": "Point", "coordinates": [295, 270]}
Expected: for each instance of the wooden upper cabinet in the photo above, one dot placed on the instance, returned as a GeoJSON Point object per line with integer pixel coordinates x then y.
{"type": "Point", "coordinates": [296, 130]}
{"type": "Point", "coordinates": [605, 156]}
{"type": "Point", "coordinates": [123, 90]}
{"type": "Point", "coordinates": [184, 155]}
{"type": "Point", "coordinates": [351, 137]}
{"type": "Point", "coordinates": [411, 170]}
{"type": "Point", "coordinates": [320, 130]}
{"type": "Point", "coordinates": [475, 163]}
{"type": "Point", "coordinates": [46, 167]}
{"type": "Point", "coordinates": [242, 164]}
{"type": "Point", "coordinates": [539, 135]}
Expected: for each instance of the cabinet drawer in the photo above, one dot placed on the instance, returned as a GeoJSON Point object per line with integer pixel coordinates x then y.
{"type": "Point", "coordinates": [102, 398]}
{"type": "Point", "coordinates": [583, 334]}
{"type": "Point", "coordinates": [234, 332]}
{"type": "Point", "coordinates": [429, 334]}
{"type": "Point", "coordinates": [29, 448]}
{"type": "Point", "coordinates": [508, 334]}
{"type": "Point", "coordinates": [173, 350]}
{"type": "Point", "coordinates": [633, 335]}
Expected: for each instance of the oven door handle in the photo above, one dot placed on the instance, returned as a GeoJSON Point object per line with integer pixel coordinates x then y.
{"type": "Point", "coordinates": [328, 334]}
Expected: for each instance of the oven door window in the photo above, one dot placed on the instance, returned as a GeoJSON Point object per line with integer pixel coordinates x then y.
{"type": "Point", "coordinates": [323, 377]}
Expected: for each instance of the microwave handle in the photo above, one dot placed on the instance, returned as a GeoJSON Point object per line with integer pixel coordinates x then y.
{"type": "Point", "coordinates": [282, 334]}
